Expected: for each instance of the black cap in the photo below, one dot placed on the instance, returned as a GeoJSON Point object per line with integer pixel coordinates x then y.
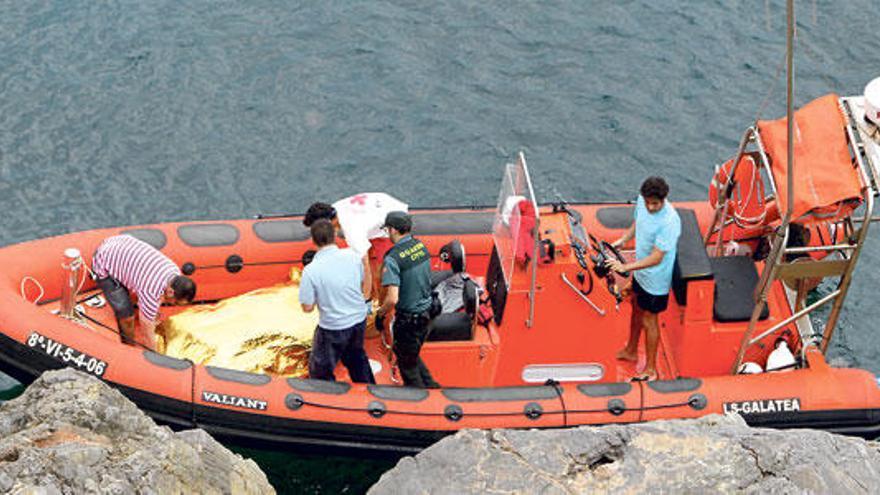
{"type": "Point", "coordinates": [399, 220]}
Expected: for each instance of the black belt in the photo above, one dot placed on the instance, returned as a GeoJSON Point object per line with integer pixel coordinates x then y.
{"type": "Point", "coordinates": [403, 316]}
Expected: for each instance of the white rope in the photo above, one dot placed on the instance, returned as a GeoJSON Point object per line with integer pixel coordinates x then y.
{"type": "Point", "coordinates": [35, 281]}
{"type": "Point", "coordinates": [720, 181]}
{"type": "Point", "coordinates": [739, 215]}
{"type": "Point", "coordinates": [75, 264]}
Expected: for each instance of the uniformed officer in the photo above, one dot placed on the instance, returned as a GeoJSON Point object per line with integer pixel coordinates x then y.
{"type": "Point", "coordinates": [406, 276]}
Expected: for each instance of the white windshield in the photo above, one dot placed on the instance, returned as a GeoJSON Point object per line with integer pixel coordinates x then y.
{"type": "Point", "coordinates": [515, 216]}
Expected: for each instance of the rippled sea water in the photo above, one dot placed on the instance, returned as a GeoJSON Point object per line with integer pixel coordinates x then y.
{"type": "Point", "coordinates": [130, 112]}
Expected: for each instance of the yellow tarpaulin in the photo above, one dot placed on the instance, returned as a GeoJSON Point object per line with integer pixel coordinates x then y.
{"type": "Point", "coordinates": [262, 331]}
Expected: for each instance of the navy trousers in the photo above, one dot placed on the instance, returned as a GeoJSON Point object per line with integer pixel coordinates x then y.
{"type": "Point", "coordinates": [347, 345]}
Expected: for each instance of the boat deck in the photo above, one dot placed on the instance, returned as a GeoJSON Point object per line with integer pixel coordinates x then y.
{"type": "Point", "coordinates": [568, 331]}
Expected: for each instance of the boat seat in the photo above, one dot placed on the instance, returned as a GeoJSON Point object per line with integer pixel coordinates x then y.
{"type": "Point", "coordinates": [453, 254]}
{"type": "Point", "coordinates": [735, 281]}
{"type": "Point", "coordinates": [451, 327]}
{"type": "Point", "coordinates": [691, 260]}
{"type": "Point", "coordinates": [456, 319]}
{"type": "Point", "coordinates": [615, 217]}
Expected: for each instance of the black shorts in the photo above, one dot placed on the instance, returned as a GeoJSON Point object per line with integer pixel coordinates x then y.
{"type": "Point", "coordinates": [117, 297]}
{"type": "Point", "coordinates": [649, 302]}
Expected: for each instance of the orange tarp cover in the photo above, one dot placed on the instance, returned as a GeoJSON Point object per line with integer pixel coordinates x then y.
{"type": "Point", "coordinates": [826, 184]}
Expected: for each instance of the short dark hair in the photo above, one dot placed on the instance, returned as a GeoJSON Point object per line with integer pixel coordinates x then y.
{"type": "Point", "coordinates": [654, 187]}
{"type": "Point", "coordinates": [308, 256]}
{"type": "Point", "coordinates": [318, 211]}
{"type": "Point", "coordinates": [398, 220]}
{"type": "Point", "coordinates": [323, 232]}
{"type": "Point", "coordinates": [184, 288]}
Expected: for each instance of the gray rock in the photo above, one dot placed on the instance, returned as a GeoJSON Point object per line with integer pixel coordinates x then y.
{"type": "Point", "coordinates": [70, 433]}
{"type": "Point", "coordinates": [706, 455]}
{"type": "Point", "coordinates": [6, 482]}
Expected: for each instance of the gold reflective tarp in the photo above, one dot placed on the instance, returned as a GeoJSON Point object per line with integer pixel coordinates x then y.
{"type": "Point", "coordinates": [262, 331]}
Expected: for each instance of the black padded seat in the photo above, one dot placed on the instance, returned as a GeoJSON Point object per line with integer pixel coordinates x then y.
{"type": "Point", "coordinates": [615, 217]}
{"type": "Point", "coordinates": [456, 325]}
{"type": "Point", "coordinates": [452, 324]}
{"type": "Point", "coordinates": [691, 260]}
{"type": "Point", "coordinates": [451, 327]}
{"type": "Point", "coordinates": [735, 281]}
{"type": "Point", "coordinates": [452, 223]}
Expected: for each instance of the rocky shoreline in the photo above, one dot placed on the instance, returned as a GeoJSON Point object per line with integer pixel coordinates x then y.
{"type": "Point", "coordinates": [70, 433]}
{"type": "Point", "coordinates": [714, 454]}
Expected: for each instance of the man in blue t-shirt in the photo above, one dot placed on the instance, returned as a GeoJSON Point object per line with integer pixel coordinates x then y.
{"type": "Point", "coordinates": [656, 228]}
{"type": "Point", "coordinates": [333, 282]}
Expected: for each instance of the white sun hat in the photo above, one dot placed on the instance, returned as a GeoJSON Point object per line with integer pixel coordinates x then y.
{"type": "Point", "coordinates": [872, 101]}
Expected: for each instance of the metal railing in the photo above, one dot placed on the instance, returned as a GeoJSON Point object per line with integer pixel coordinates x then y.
{"type": "Point", "coordinates": [776, 267]}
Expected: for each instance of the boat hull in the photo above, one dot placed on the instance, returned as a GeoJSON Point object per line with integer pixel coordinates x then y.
{"type": "Point", "coordinates": [411, 431]}
{"type": "Point", "coordinates": [319, 416]}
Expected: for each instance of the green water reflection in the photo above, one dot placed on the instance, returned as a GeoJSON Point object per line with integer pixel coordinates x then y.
{"type": "Point", "coordinates": [290, 473]}
{"type": "Point", "coordinates": [11, 393]}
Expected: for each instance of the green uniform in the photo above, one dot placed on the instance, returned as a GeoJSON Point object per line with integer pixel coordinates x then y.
{"type": "Point", "coordinates": [407, 266]}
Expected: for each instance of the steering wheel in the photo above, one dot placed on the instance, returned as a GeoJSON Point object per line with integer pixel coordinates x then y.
{"type": "Point", "coordinates": [604, 251]}
{"type": "Point", "coordinates": [605, 248]}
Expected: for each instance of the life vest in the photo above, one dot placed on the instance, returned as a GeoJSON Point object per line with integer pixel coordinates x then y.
{"type": "Point", "coordinates": [409, 253]}
{"type": "Point", "coordinates": [746, 205]}
{"type": "Point", "coordinates": [819, 234]}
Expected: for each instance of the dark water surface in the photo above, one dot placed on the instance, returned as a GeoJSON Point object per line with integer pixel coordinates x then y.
{"type": "Point", "coordinates": [118, 112]}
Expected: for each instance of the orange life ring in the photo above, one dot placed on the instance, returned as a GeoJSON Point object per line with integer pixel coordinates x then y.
{"type": "Point", "coordinates": [746, 205]}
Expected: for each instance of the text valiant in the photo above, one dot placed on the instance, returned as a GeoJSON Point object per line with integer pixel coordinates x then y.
{"type": "Point", "coordinates": [767, 406]}
{"type": "Point", "coordinates": [232, 400]}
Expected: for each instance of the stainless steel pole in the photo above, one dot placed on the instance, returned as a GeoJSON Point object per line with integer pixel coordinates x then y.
{"type": "Point", "coordinates": [780, 237]}
{"type": "Point", "coordinates": [73, 266]}
{"type": "Point", "coordinates": [789, 60]}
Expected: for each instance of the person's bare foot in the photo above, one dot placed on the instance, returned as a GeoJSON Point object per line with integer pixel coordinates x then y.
{"type": "Point", "coordinates": [627, 355]}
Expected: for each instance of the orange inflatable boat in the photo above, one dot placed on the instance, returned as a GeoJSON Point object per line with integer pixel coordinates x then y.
{"type": "Point", "coordinates": [535, 345]}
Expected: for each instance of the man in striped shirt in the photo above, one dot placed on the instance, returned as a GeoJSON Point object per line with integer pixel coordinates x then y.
{"type": "Point", "coordinates": [123, 265]}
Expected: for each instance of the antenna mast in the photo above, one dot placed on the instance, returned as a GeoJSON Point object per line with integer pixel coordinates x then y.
{"type": "Point", "coordinates": [789, 61]}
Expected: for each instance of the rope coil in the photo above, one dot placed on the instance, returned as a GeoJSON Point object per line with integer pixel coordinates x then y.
{"type": "Point", "coordinates": [37, 283]}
